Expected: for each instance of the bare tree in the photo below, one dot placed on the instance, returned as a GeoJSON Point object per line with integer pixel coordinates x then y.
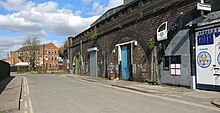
{"type": "Point", "coordinates": [31, 45]}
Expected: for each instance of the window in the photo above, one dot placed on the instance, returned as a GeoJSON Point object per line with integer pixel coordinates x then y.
{"type": "Point", "coordinates": [37, 52]}
{"type": "Point", "coordinates": [176, 59]}
{"type": "Point", "coordinates": [52, 57]}
{"type": "Point", "coordinates": [166, 62]}
{"type": "Point", "coordinates": [55, 58]}
{"type": "Point", "coordinates": [37, 57]}
{"type": "Point", "coordinates": [55, 52]}
{"type": "Point", "coordinates": [48, 51]}
{"type": "Point", "coordinates": [50, 65]}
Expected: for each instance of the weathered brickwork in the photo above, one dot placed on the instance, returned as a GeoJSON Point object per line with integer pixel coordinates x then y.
{"type": "Point", "coordinates": [141, 30]}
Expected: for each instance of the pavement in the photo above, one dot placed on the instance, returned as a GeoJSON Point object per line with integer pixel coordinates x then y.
{"type": "Point", "coordinates": [10, 93]}
{"type": "Point", "coordinates": [200, 97]}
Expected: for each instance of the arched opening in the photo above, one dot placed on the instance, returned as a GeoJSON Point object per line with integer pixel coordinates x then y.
{"type": "Point", "coordinates": [130, 56]}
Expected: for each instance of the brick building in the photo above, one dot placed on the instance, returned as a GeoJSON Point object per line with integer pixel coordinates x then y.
{"type": "Point", "coordinates": [124, 36]}
{"type": "Point", "coordinates": [47, 51]}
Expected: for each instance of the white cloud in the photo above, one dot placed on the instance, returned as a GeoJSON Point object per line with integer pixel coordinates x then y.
{"type": "Point", "coordinates": [55, 42]}
{"type": "Point", "coordinates": [16, 5]}
{"type": "Point", "coordinates": [42, 16]}
{"type": "Point", "coordinates": [28, 18]}
{"type": "Point", "coordinates": [8, 44]}
{"type": "Point", "coordinates": [99, 9]}
{"type": "Point", "coordinates": [48, 7]}
{"type": "Point", "coordinates": [114, 3]}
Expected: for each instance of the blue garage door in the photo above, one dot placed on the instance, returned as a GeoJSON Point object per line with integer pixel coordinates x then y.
{"type": "Point", "coordinates": [125, 61]}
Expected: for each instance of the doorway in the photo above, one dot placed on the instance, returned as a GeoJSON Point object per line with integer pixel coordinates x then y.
{"type": "Point", "coordinates": [126, 62]}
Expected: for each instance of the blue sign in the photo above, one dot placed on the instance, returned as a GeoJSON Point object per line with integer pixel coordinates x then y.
{"type": "Point", "coordinates": [204, 59]}
{"type": "Point", "coordinates": [218, 59]}
{"type": "Point", "coordinates": [205, 38]}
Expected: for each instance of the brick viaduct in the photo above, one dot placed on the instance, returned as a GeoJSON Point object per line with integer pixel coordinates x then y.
{"type": "Point", "coordinates": [136, 21]}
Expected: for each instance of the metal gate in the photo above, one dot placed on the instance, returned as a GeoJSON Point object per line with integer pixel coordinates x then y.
{"type": "Point", "coordinates": [93, 62]}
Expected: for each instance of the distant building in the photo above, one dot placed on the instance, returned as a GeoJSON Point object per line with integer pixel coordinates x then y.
{"type": "Point", "coordinates": [46, 55]}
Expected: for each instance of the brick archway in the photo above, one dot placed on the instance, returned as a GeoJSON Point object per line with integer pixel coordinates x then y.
{"type": "Point", "coordinates": [133, 35]}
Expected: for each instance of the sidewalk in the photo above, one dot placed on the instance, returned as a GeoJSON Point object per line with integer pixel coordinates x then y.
{"type": "Point", "coordinates": [10, 94]}
{"type": "Point", "coordinates": [209, 98]}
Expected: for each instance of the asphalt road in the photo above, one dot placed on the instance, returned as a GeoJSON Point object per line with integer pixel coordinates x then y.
{"type": "Point", "coordinates": [60, 94]}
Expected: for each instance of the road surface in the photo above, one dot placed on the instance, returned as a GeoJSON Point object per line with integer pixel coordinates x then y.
{"type": "Point", "coordinates": [60, 94]}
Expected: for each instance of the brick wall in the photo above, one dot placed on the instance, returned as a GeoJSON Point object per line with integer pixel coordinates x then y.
{"type": "Point", "coordinates": [51, 52]}
{"type": "Point", "coordinates": [140, 30]}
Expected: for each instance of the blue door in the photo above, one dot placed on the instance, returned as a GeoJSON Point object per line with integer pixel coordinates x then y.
{"type": "Point", "coordinates": [125, 62]}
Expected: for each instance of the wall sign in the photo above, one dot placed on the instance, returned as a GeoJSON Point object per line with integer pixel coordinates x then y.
{"type": "Point", "coordinates": [218, 59]}
{"type": "Point", "coordinates": [204, 59]}
{"type": "Point", "coordinates": [162, 32]}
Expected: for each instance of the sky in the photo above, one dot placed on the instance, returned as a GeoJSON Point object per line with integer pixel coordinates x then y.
{"type": "Point", "coordinates": [51, 21]}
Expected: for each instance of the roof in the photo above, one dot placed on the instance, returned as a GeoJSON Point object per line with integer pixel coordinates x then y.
{"type": "Point", "coordinates": [24, 48]}
{"type": "Point", "coordinates": [22, 64]}
{"type": "Point", "coordinates": [107, 14]}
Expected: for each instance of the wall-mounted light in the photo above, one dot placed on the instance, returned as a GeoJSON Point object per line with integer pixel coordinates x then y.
{"type": "Point", "coordinates": [135, 43]}
{"type": "Point", "coordinates": [113, 51]}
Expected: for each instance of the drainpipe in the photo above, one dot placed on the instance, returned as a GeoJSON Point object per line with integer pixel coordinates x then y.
{"type": "Point", "coordinates": [192, 54]}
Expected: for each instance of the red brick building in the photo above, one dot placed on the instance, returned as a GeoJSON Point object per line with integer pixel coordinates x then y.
{"type": "Point", "coordinates": [46, 56]}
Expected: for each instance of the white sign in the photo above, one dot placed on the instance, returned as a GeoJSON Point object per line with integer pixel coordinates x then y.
{"type": "Point", "coordinates": [204, 7]}
{"type": "Point", "coordinates": [162, 32]}
{"type": "Point", "coordinates": [207, 56]}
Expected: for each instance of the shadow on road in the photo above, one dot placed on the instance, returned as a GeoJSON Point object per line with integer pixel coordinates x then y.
{"type": "Point", "coordinates": [5, 82]}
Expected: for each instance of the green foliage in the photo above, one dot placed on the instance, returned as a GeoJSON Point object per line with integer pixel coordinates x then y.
{"type": "Point", "coordinates": [46, 68]}
{"type": "Point", "coordinates": [94, 33]}
{"type": "Point", "coordinates": [151, 43]}
{"type": "Point", "coordinates": [39, 70]}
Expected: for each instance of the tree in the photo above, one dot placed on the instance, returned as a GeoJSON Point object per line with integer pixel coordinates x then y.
{"type": "Point", "coordinates": [62, 49]}
{"type": "Point", "coordinates": [31, 46]}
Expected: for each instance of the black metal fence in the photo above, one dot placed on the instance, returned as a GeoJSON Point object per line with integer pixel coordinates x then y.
{"type": "Point", "coordinates": [4, 69]}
